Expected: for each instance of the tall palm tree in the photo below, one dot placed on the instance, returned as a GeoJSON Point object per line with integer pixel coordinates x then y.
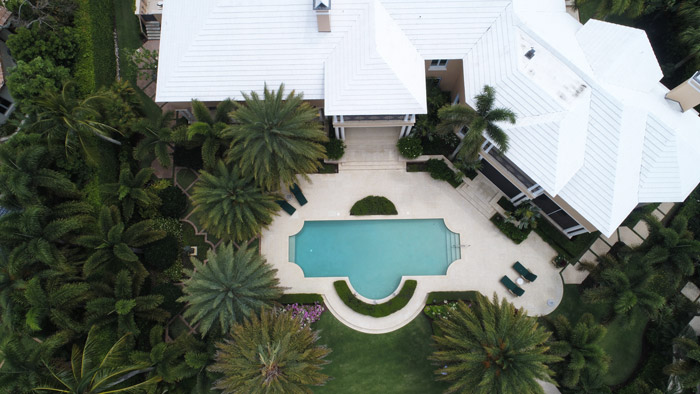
{"type": "Point", "coordinates": [157, 139]}
{"type": "Point", "coordinates": [275, 138]}
{"type": "Point", "coordinates": [631, 8]}
{"type": "Point", "coordinates": [492, 347]}
{"type": "Point", "coordinates": [72, 122]}
{"type": "Point", "coordinates": [57, 301]}
{"type": "Point", "coordinates": [687, 364]}
{"type": "Point", "coordinates": [210, 131]}
{"type": "Point", "coordinates": [113, 244]}
{"type": "Point", "coordinates": [675, 247]}
{"type": "Point", "coordinates": [579, 344]}
{"type": "Point", "coordinates": [229, 206]}
{"type": "Point", "coordinates": [232, 285]}
{"type": "Point", "coordinates": [130, 191]}
{"type": "Point", "coordinates": [120, 304]}
{"type": "Point", "coordinates": [95, 371]}
{"type": "Point", "coordinates": [24, 174]}
{"type": "Point", "coordinates": [476, 122]}
{"type": "Point", "coordinates": [271, 354]}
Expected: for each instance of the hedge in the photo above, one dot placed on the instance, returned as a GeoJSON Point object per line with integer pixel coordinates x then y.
{"type": "Point", "coordinates": [96, 65]}
{"type": "Point", "coordinates": [161, 254]}
{"type": "Point", "coordinates": [373, 205]}
{"type": "Point", "coordinates": [509, 229]}
{"type": "Point", "coordinates": [335, 149]}
{"type": "Point", "coordinates": [378, 310]}
{"type": "Point", "coordinates": [409, 147]}
{"type": "Point", "coordinates": [300, 299]}
{"type": "Point", "coordinates": [174, 202]}
{"type": "Point", "coordinates": [442, 296]}
{"type": "Point", "coordinates": [439, 170]}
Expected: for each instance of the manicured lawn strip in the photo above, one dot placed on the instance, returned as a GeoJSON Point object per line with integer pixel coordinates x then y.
{"type": "Point", "coordinates": [300, 299]}
{"type": "Point", "coordinates": [373, 205]}
{"type": "Point", "coordinates": [387, 363]}
{"type": "Point", "coordinates": [509, 229]}
{"type": "Point", "coordinates": [189, 238]}
{"type": "Point", "coordinates": [96, 66]}
{"type": "Point", "coordinates": [623, 342]}
{"type": "Point", "coordinates": [378, 310]}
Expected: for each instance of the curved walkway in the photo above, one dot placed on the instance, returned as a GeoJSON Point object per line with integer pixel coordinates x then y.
{"type": "Point", "coordinates": [487, 254]}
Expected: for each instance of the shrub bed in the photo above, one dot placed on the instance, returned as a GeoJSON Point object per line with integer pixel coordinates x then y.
{"type": "Point", "coordinates": [438, 169]}
{"type": "Point", "coordinates": [300, 299]}
{"type": "Point", "coordinates": [174, 202]}
{"type": "Point", "coordinates": [409, 147]}
{"type": "Point", "coordinates": [335, 149]}
{"type": "Point", "coordinates": [373, 205]}
{"type": "Point", "coordinates": [378, 310]}
{"type": "Point", "coordinates": [161, 254]}
{"type": "Point", "coordinates": [509, 229]}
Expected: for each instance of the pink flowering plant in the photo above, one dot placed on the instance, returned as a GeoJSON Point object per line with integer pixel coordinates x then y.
{"type": "Point", "coordinates": [306, 313]}
{"type": "Point", "coordinates": [440, 311]}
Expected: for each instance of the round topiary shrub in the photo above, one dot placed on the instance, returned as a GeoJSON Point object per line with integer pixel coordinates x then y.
{"type": "Point", "coordinates": [170, 293]}
{"type": "Point", "coordinates": [174, 202]}
{"type": "Point", "coordinates": [409, 147]}
{"type": "Point", "coordinates": [335, 149]}
{"type": "Point", "coordinates": [373, 205]}
{"type": "Point", "coordinates": [161, 254]}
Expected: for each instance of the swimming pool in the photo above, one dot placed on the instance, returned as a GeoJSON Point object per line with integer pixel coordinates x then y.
{"type": "Point", "coordinates": [374, 254]}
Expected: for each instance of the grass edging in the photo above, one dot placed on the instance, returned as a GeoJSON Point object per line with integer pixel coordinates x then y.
{"type": "Point", "coordinates": [373, 205]}
{"type": "Point", "coordinates": [375, 310]}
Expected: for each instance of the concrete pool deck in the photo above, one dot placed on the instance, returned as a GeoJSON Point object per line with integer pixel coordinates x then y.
{"type": "Point", "coordinates": [487, 254]}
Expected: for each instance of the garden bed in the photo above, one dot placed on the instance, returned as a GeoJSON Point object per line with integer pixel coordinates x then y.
{"type": "Point", "coordinates": [509, 229]}
{"type": "Point", "coordinates": [373, 205]}
{"type": "Point", "coordinates": [375, 310]}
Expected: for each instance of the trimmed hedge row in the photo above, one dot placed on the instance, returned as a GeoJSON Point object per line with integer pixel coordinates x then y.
{"type": "Point", "coordinates": [300, 299]}
{"type": "Point", "coordinates": [373, 205]}
{"type": "Point", "coordinates": [439, 170]}
{"type": "Point", "coordinates": [509, 229]}
{"type": "Point", "coordinates": [378, 310]}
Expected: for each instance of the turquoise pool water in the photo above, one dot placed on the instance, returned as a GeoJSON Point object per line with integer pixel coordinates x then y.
{"type": "Point", "coordinates": [374, 254]}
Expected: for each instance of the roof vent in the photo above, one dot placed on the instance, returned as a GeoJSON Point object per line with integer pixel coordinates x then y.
{"type": "Point", "coordinates": [323, 15]}
{"type": "Point", "coordinates": [531, 53]}
{"type": "Point", "coordinates": [687, 94]}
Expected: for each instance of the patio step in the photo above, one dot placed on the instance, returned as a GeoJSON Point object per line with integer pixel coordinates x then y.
{"type": "Point", "coordinates": [371, 165]}
{"type": "Point", "coordinates": [474, 199]}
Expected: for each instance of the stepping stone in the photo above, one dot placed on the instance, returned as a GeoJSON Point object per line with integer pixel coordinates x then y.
{"type": "Point", "coordinates": [691, 291]}
{"type": "Point", "coordinates": [612, 240]}
{"type": "Point", "coordinates": [589, 257]}
{"type": "Point", "coordinates": [629, 237]}
{"type": "Point", "coordinates": [549, 388]}
{"type": "Point", "coordinates": [600, 247]}
{"type": "Point", "coordinates": [641, 229]}
{"type": "Point", "coordinates": [695, 324]}
{"type": "Point", "coordinates": [573, 276]}
{"type": "Point", "coordinates": [665, 207]}
{"type": "Point", "coordinates": [658, 214]}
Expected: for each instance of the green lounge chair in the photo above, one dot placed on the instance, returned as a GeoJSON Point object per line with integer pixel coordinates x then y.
{"type": "Point", "coordinates": [512, 287]}
{"type": "Point", "coordinates": [286, 206]}
{"type": "Point", "coordinates": [524, 272]}
{"type": "Point", "coordinates": [298, 194]}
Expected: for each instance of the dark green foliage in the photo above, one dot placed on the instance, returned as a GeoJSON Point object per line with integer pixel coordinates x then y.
{"type": "Point", "coordinates": [161, 254]}
{"type": "Point", "coordinates": [55, 13]}
{"type": "Point", "coordinates": [373, 205]}
{"type": "Point", "coordinates": [208, 132]}
{"type": "Point", "coordinates": [170, 293]}
{"type": "Point", "coordinates": [571, 248]}
{"type": "Point", "coordinates": [509, 229]}
{"type": "Point", "coordinates": [409, 147]}
{"type": "Point", "coordinates": [442, 296]}
{"type": "Point", "coordinates": [436, 99]}
{"type": "Point", "coordinates": [59, 45]}
{"type": "Point", "coordinates": [30, 80]}
{"type": "Point", "coordinates": [300, 299]}
{"type": "Point", "coordinates": [378, 310]}
{"type": "Point", "coordinates": [157, 139]}
{"type": "Point", "coordinates": [23, 357]}
{"type": "Point", "coordinates": [190, 158]}
{"type": "Point", "coordinates": [173, 202]}
{"type": "Point", "coordinates": [440, 144]}
{"type": "Point", "coordinates": [55, 303]}
{"type": "Point", "coordinates": [131, 191]}
{"type": "Point", "coordinates": [335, 149]}
{"type": "Point", "coordinates": [439, 170]}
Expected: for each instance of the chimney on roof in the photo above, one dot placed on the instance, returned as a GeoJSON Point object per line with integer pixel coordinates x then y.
{"type": "Point", "coordinates": [687, 94]}
{"type": "Point", "coordinates": [323, 15]}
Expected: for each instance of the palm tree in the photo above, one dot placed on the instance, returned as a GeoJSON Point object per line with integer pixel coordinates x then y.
{"type": "Point", "coordinates": [492, 348]}
{"type": "Point", "coordinates": [94, 371]}
{"type": "Point", "coordinates": [275, 138]}
{"type": "Point", "coordinates": [580, 346]}
{"type": "Point", "coordinates": [131, 190]}
{"type": "Point", "coordinates": [674, 247]}
{"type": "Point", "coordinates": [120, 304]}
{"type": "Point", "coordinates": [113, 244]}
{"type": "Point", "coordinates": [157, 139]}
{"type": "Point", "coordinates": [229, 206]}
{"type": "Point", "coordinates": [687, 366]}
{"type": "Point", "coordinates": [72, 122]}
{"type": "Point", "coordinates": [631, 8]}
{"type": "Point", "coordinates": [209, 132]}
{"type": "Point", "coordinates": [476, 122]}
{"type": "Point", "coordinates": [24, 176]}
{"type": "Point", "coordinates": [624, 283]}
{"type": "Point", "coordinates": [57, 301]}
{"type": "Point", "coordinates": [270, 354]}
{"type": "Point", "coordinates": [230, 286]}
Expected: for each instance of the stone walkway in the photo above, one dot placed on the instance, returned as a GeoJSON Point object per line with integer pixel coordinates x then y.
{"type": "Point", "coordinates": [487, 254]}
{"type": "Point", "coordinates": [630, 236]}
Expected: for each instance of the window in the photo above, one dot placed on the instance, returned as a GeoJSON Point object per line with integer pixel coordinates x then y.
{"type": "Point", "coordinates": [440, 64]}
{"type": "Point", "coordinates": [4, 105]}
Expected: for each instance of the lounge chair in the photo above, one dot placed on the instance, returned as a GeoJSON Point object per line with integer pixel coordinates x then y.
{"type": "Point", "coordinates": [524, 272]}
{"type": "Point", "coordinates": [286, 206]}
{"type": "Point", "coordinates": [512, 287]}
{"type": "Point", "coordinates": [298, 194]}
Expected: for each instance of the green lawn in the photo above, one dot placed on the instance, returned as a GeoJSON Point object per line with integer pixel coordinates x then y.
{"type": "Point", "coordinates": [389, 363]}
{"type": "Point", "coordinates": [623, 342]}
